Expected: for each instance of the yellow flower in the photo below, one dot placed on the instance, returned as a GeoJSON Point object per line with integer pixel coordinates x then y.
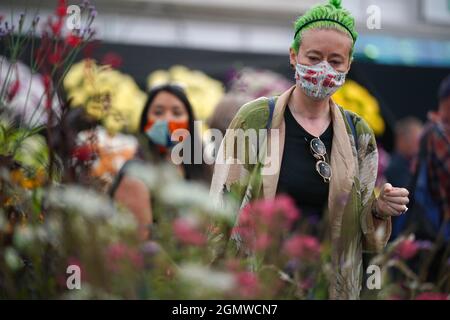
{"type": "Point", "coordinates": [106, 94]}
{"type": "Point", "coordinates": [356, 98]}
{"type": "Point", "coordinates": [19, 178]}
{"type": "Point", "coordinates": [203, 92]}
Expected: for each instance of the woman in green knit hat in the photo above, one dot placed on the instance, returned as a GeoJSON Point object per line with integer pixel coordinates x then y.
{"type": "Point", "coordinates": [327, 157]}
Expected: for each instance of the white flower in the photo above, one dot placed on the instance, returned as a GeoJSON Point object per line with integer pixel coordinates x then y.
{"type": "Point", "coordinates": [123, 222]}
{"type": "Point", "coordinates": [23, 237]}
{"type": "Point", "coordinates": [12, 259]}
{"type": "Point", "coordinates": [146, 173]}
{"type": "Point", "coordinates": [82, 200]}
{"type": "Point", "coordinates": [205, 278]}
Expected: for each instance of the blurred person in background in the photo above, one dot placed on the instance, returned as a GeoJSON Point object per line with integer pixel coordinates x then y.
{"type": "Point", "coordinates": [429, 217]}
{"type": "Point", "coordinates": [402, 164]}
{"type": "Point", "coordinates": [407, 139]}
{"type": "Point", "coordinates": [431, 185]}
{"type": "Point", "coordinates": [166, 110]}
{"type": "Point", "coordinates": [225, 111]}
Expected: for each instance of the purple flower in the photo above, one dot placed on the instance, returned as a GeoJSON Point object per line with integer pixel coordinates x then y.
{"type": "Point", "coordinates": [424, 244]}
{"type": "Point", "coordinates": [150, 248]}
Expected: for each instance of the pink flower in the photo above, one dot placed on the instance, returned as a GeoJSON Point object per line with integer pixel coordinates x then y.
{"type": "Point", "coordinates": [262, 242]}
{"type": "Point", "coordinates": [186, 232]}
{"type": "Point", "coordinates": [233, 264]}
{"type": "Point", "coordinates": [306, 284]}
{"type": "Point", "coordinates": [432, 296]}
{"type": "Point", "coordinates": [119, 252]}
{"type": "Point", "coordinates": [407, 249]}
{"type": "Point", "coordinates": [248, 284]}
{"type": "Point", "coordinates": [269, 214]}
{"type": "Point", "coordinates": [263, 220]}
{"type": "Point", "coordinates": [287, 207]}
{"type": "Point", "coordinates": [303, 247]}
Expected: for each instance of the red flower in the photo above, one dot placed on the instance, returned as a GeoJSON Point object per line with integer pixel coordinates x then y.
{"type": "Point", "coordinates": [303, 247]}
{"type": "Point", "coordinates": [73, 41]}
{"type": "Point", "coordinates": [407, 249]}
{"type": "Point", "coordinates": [248, 284]}
{"type": "Point", "coordinates": [56, 27]}
{"type": "Point", "coordinates": [186, 232]}
{"type": "Point", "coordinates": [13, 89]}
{"type": "Point", "coordinates": [112, 59]}
{"type": "Point", "coordinates": [83, 153]}
{"type": "Point", "coordinates": [61, 10]}
{"type": "Point", "coordinates": [55, 57]}
{"type": "Point", "coordinates": [432, 296]}
{"type": "Point", "coordinates": [47, 82]}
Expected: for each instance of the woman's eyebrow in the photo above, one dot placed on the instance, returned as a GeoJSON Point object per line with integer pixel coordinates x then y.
{"type": "Point", "coordinates": [336, 55]}
{"type": "Point", "coordinates": [158, 106]}
{"type": "Point", "coordinates": [313, 51]}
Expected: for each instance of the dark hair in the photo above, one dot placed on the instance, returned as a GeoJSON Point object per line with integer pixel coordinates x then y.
{"type": "Point", "coordinates": [444, 89]}
{"type": "Point", "coordinates": [192, 171]}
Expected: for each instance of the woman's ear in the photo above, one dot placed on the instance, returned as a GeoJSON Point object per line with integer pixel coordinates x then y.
{"type": "Point", "coordinates": [292, 57]}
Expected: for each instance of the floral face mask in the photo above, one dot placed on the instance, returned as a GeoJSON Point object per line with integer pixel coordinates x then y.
{"type": "Point", "coordinates": [319, 81]}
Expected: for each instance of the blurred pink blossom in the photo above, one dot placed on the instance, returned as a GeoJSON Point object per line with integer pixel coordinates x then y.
{"type": "Point", "coordinates": [278, 212]}
{"type": "Point", "coordinates": [186, 232]}
{"type": "Point", "coordinates": [260, 220]}
{"type": "Point", "coordinates": [302, 246]}
{"type": "Point", "coordinates": [432, 296]}
{"type": "Point", "coordinates": [407, 249]}
{"type": "Point", "coordinates": [248, 284]}
{"type": "Point", "coordinates": [118, 253]}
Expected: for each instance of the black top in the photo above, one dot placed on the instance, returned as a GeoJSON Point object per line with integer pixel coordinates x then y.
{"type": "Point", "coordinates": [298, 176]}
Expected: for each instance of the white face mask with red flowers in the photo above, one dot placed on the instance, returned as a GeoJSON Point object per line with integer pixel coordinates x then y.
{"type": "Point", "coordinates": [320, 80]}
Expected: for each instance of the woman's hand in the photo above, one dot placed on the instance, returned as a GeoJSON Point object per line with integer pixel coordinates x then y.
{"type": "Point", "coordinates": [392, 201]}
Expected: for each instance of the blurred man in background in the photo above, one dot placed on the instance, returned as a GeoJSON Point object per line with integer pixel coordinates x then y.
{"type": "Point", "coordinates": [407, 141]}
{"type": "Point", "coordinates": [431, 185]}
